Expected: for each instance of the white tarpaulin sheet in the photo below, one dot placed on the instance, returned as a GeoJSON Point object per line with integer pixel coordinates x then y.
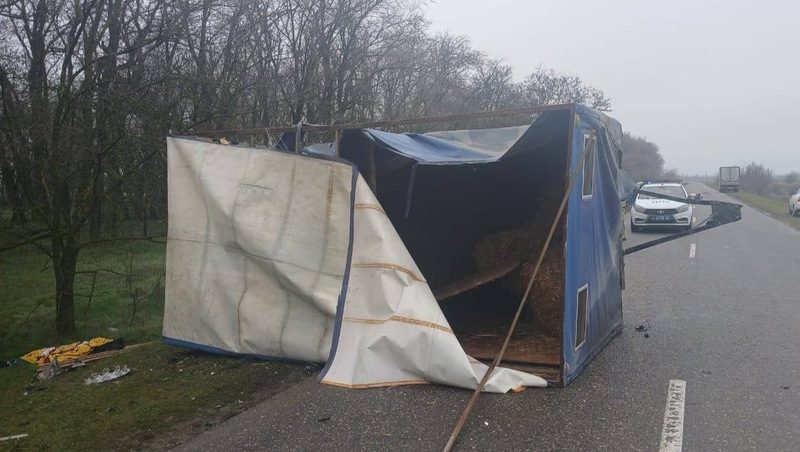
{"type": "Point", "coordinates": [280, 255]}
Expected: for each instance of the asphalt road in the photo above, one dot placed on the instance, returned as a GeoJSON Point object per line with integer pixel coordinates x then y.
{"type": "Point", "coordinates": [726, 321]}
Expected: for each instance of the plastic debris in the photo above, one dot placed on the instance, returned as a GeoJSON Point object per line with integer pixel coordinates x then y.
{"type": "Point", "coordinates": [643, 328]}
{"type": "Point", "coordinates": [49, 371]}
{"type": "Point", "coordinates": [107, 375]}
{"type": "Point", "coordinates": [12, 437]}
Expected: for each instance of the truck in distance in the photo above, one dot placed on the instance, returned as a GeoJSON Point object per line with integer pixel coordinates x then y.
{"type": "Point", "coordinates": [729, 179]}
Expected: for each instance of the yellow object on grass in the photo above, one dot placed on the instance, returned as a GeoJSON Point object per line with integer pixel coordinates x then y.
{"type": "Point", "coordinates": [64, 353]}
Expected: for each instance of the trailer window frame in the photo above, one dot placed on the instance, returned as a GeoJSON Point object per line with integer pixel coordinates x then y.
{"type": "Point", "coordinates": [589, 144]}
{"type": "Point", "coordinates": [581, 316]}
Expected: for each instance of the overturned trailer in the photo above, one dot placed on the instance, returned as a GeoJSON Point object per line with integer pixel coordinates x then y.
{"type": "Point", "coordinates": [402, 259]}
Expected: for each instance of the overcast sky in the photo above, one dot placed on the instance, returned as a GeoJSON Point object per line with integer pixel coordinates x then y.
{"type": "Point", "coordinates": [711, 82]}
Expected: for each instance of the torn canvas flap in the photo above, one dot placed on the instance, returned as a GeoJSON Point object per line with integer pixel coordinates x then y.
{"type": "Point", "coordinates": [392, 330]}
{"type": "Point", "coordinates": [275, 255]}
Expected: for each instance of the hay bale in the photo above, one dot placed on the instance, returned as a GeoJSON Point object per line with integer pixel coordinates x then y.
{"type": "Point", "coordinates": [523, 244]}
{"type": "Point", "coordinates": [510, 245]}
{"type": "Point", "coordinates": [545, 300]}
{"type": "Point", "coordinates": [543, 308]}
{"type": "Point", "coordinates": [516, 244]}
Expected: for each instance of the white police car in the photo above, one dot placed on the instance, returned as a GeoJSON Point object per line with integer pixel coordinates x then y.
{"type": "Point", "coordinates": [653, 212]}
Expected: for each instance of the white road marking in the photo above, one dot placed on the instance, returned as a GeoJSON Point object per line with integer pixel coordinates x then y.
{"type": "Point", "coordinates": [692, 250]}
{"type": "Point", "coordinates": [672, 432]}
{"type": "Point", "coordinates": [694, 220]}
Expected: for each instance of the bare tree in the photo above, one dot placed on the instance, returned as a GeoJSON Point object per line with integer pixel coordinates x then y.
{"type": "Point", "coordinates": [756, 178]}
{"type": "Point", "coordinates": [65, 116]}
{"type": "Point", "coordinates": [547, 87]}
{"type": "Point", "coordinates": [641, 158]}
{"type": "Point", "coordinates": [89, 88]}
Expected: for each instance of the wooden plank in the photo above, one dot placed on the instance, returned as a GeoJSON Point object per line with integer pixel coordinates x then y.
{"type": "Point", "coordinates": [70, 361]}
{"type": "Point", "coordinates": [523, 348]}
{"type": "Point", "coordinates": [475, 280]}
{"type": "Point", "coordinates": [482, 333]}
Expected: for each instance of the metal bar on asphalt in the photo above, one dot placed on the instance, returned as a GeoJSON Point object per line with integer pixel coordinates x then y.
{"type": "Point", "coordinates": [669, 238]}
{"type": "Point", "coordinates": [721, 213]}
{"type": "Point", "coordinates": [476, 394]}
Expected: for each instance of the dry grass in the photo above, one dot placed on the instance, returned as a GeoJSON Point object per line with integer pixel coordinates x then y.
{"type": "Point", "coordinates": [171, 394]}
{"type": "Point", "coordinates": [776, 208]}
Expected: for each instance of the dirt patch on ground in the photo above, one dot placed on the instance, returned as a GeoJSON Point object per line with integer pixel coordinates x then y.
{"type": "Point", "coordinates": [210, 418]}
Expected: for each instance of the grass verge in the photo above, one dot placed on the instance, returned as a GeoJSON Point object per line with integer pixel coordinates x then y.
{"type": "Point", "coordinates": [779, 209]}
{"type": "Point", "coordinates": [119, 293]}
{"type": "Point", "coordinates": [171, 394]}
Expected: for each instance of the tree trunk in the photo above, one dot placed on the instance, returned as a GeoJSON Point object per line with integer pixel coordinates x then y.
{"type": "Point", "coordinates": [65, 259]}
{"type": "Point", "coordinates": [11, 186]}
{"type": "Point", "coordinates": [145, 227]}
{"type": "Point", "coordinates": [96, 207]}
{"type": "Point", "coordinates": [145, 208]}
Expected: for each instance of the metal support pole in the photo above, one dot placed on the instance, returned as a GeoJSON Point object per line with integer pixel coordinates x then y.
{"type": "Point", "coordinates": [462, 421]}
{"type": "Point", "coordinates": [298, 134]}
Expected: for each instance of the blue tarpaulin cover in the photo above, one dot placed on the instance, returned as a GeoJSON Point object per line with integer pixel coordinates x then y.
{"type": "Point", "coordinates": [594, 224]}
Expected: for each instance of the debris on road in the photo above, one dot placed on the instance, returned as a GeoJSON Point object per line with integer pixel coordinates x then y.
{"type": "Point", "coordinates": [64, 354]}
{"type": "Point", "coordinates": [13, 437]}
{"type": "Point", "coordinates": [107, 375]}
{"type": "Point", "coordinates": [57, 366]}
{"type": "Point", "coordinates": [48, 371]}
{"type": "Point", "coordinates": [643, 328]}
